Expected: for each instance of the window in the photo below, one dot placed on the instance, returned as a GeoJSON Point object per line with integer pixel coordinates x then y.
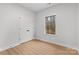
{"type": "Point", "coordinates": [50, 24]}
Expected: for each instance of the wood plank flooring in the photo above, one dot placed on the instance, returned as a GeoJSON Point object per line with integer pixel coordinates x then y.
{"type": "Point", "coordinates": [36, 47]}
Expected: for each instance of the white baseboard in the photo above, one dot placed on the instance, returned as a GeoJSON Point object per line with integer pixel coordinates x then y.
{"type": "Point", "coordinates": [13, 45]}
{"type": "Point", "coordinates": [8, 47]}
{"type": "Point", "coordinates": [18, 43]}
{"type": "Point", "coordinates": [59, 44]}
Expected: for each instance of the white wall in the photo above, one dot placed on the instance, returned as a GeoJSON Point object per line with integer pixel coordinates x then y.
{"type": "Point", "coordinates": [15, 20]}
{"type": "Point", "coordinates": [78, 26]}
{"type": "Point", "coordinates": [66, 25]}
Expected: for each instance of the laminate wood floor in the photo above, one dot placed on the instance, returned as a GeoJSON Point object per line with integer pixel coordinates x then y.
{"type": "Point", "coordinates": [36, 47]}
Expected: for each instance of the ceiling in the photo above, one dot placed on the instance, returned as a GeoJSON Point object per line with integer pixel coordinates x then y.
{"type": "Point", "coordinates": [36, 7]}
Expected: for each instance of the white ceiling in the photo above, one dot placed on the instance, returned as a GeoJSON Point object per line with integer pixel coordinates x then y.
{"type": "Point", "coordinates": [36, 7]}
